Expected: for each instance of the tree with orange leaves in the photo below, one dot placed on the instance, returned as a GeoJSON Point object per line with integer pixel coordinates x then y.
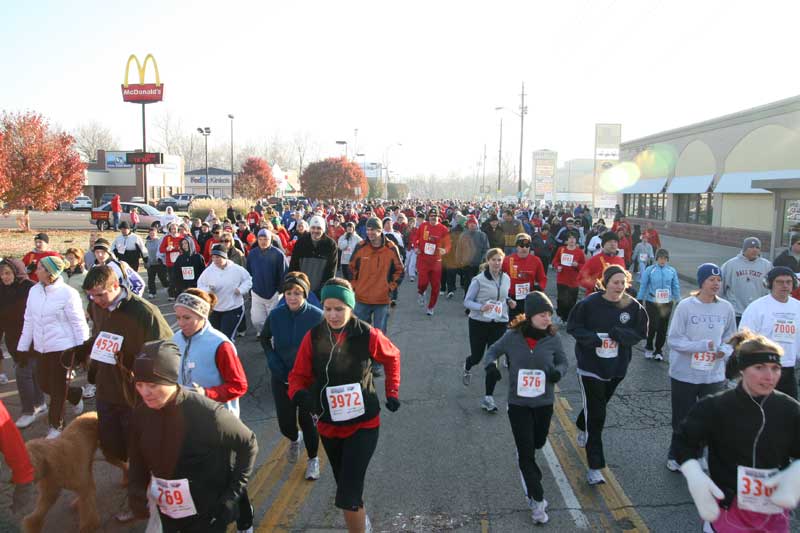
{"type": "Point", "coordinates": [335, 177]}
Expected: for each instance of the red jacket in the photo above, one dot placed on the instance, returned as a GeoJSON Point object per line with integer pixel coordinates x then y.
{"type": "Point", "coordinates": [568, 274]}
{"type": "Point", "coordinates": [234, 380]}
{"type": "Point", "coordinates": [173, 253]}
{"type": "Point", "coordinates": [13, 448]}
{"type": "Point", "coordinates": [429, 240]}
{"type": "Point", "coordinates": [116, 205]}
{"type": "Point", "coordinates": [593, 269]}
{"type": "Point", "coordinates": [253, 218]}
{"type": "Point", "coordinates": [32, 256]}
{"type": "Point", "coordinates": [627, 248]}
{"type": "Point", "coordinates": [653, 238]}
{"type": "Point", "coordinates": [529, 270]}
{"type": "Point", "coordinates": [207, 251]}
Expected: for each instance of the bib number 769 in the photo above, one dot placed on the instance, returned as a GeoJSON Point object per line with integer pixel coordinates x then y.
{"type": "Point", "coordinates": [170, 497]}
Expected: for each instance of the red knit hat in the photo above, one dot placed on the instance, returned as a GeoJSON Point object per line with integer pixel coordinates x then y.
{"type": "Point", "coordinates": [472, 220]}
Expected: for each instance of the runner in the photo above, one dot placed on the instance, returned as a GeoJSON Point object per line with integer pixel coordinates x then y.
{"type": "Point", "coordinates": [347, 243]}
{"type": "Point", "coordinates": [41, 249]}
{"type": "Point", "coordinates": [567, 261]}
{"type": "Point", "coordinates": [526, 273]}
{"type": "Point", "coordinates": [280, 338]}
{"type": "Point", "coordinates": [536, 362]}
{"type": "Point", "coordinates": [343, 393]}
{"type": "Point", "coordinates": [511, 228]}
{"type": "Point", "coordinates": [643, 256]}
{"type": "Point", "coordinates": [472, 250]}
{"type": "Point", "coordinates": [743, 276]}
{"type": "Point", "coordinates": [606, 326]}
{"type": "Point", "coordinates": [171, 248]}
{"type": "Point", "coordinates": [698, 336]}
{"type": "Point", "coordinates": [433, 241]}
{"type": "Point", "coordinates": [126, 275]}
{"type": "Point", "coordinates": [659, 287]}
{"type": "Point", "coordinates": [776, 316]}
{"type": "Point", "coordinates": [752, 438]}
{"type": "Point", "coordinates": [187, 267]}
{"type": "Point", "coordinates": [487, 301]}
{"type": "Point", "coordinates": [229, 282]}
{"type": "Point", "coordinates": [592, 271]}
{"type": "Point", "coordinates": [315, 254]}
{"type": "Point", "coordinates": [155, 263]}
{"type": "Point", "coordinates": [129, 246]}
{"type": "Point", "coordinates": [267, 266]}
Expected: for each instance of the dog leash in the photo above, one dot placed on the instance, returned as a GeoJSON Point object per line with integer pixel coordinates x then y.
{"type": "Point", "coordinates": [69, 379]}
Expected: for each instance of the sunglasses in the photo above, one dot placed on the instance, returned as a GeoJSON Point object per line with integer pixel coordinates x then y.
{"type": "Point", "coordinates": [524, 244]}
{"type": "Point", "coordinates": [225, 240]}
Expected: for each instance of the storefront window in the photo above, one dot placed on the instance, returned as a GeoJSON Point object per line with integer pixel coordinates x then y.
{"type": "Point", "coordinates": [645, 205]}
{"type": "Point", "coordinates": [791, 220]}
{"type": "Point", "coordinates": [694, 208]}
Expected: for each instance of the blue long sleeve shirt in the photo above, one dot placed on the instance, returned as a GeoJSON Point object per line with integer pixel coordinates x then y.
{"type": "Point", "coordinates": [267, 268]}
{"type": "Point", "coordinates": [655, 277]}
{"type": "Point", "coordinates": [282, 334]}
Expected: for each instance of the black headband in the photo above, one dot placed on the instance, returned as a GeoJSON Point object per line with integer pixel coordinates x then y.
{"type": "Point", "coordinates": [757, 358]}
{"type": "Point", "coordinates": [292, 280]}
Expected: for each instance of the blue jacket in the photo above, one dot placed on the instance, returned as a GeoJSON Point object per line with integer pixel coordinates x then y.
{"type": "Point", "coordinates": [267, 268]}
{"type": "Point", "coordinates": [282, 334]}
{"type": "Point", "coordinates": [657, 277]}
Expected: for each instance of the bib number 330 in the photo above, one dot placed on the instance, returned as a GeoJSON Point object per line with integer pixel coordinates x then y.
{"type": "Point", "coordinates": [345, 401]}
{"type": "Point", "coordinates": [752, 494]}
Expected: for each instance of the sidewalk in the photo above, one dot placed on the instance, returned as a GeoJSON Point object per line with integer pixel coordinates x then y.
{"type": "Point", "coordinates": [686, 255]}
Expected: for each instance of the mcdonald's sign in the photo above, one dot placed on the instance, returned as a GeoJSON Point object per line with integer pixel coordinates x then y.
{"type": "Point", "coordinates": [142, 93]}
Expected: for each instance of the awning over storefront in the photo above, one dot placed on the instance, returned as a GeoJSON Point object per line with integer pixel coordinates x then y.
{"type": "Point", "coordinates": [646, 186]}
{"type": "Point", "coordinates": [742, 182]}
{"type": "Point", "coordinates": [690, 184]}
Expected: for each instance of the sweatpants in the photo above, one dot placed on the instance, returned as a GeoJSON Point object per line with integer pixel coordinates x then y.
{"type": "Point", "coordinates": [596, 394]}
{"type": "Point", "coordinates": [530, 426]}
{"type": "Point", "coordinates": [51, 375]}
{"type": "Point", "coordinates": [260, 308]}
{"type": "Point", "coordinates": [787, 383]}
{"type": "Point", "coordinates": [159, 270]}
{"type": "Point", "coordinates": [658, 315]}
{"type": "Point", "coordinates": [430, 273]}
{"type": "Point", "coordinates": [289, 415]}
{"type": "Point", "coordinates": [566, 299]}
{"type": "Point", "coordinates": [113, 428]}
{"type": "Point", "coordinates": [349, 458]}
{"type": "Point", "coordinates": [467, 273]}
{"type": "Point", "coordinates": [684, 396]}
{"type": "Point", "coordinates": [411, 263]}
{"type": "Point", "coordinates": [227, 321]}
{"type": "Point", "coordinates": [481, 336]}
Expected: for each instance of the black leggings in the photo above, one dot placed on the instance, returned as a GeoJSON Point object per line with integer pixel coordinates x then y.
{"type": "Point", "coordinates": [658, 315]}
{"type": "Point", "coordinates": [530, 426]}
{"type": "Point", "coordinates": [481, 336]}
{"type": "Point", "coordinates": [787, 383]}
{"type": "Point", "coordinates": [52, 378]}
{"type": "Point", "coordinates": [566, 299]}
{"type": "Point", "coordinates": [349, 459]}
{"type": "Point", "coordinates": [592, 418]}
{"type": "Point", "coordinates": [289, 415]}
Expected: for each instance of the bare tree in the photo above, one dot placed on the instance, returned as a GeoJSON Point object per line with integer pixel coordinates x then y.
{"type": "Point", "coordinates": [305, 148]}
{"type": "Point", "coordinates": [93, 136]}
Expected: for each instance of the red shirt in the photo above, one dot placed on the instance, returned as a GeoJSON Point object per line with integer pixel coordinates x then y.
{"type": "Point", "coordinates": [593, 269]}
{"type": "Point", "coordinates": [625, 246]}
{"type": "Point", "coordinates": [253, 218]}
{"type": "Point", "coordinates": [568, 275]}
{"type": "Point", "coordinates": [381, 349]}
{"type": "Point", "coordinates": [334, 232]}
{"type": "Point", "coordinates": [13, 448]}
{"type": "Point", "coordinates": [521, 271]}
{"type": "Point", "coordinates": [175, 252]}
{"type": "Point", "coordinates": [429, 239]}
{"type": "Point", "coordinates": [653, 238]}
{"type": "Point", "coordinates": [32, 256]}
{"type": "Point", "coordinates": [116, 205]}
{"type": "Point", "coordinates": [234, 380]}
{"type": "Point", "coordinates": [207, 251]}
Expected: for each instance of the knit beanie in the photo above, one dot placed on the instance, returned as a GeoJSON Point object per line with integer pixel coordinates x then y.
{"type": "Point", "coordinates": [41, 237]}
{"type": "Point", "coordinates": [374, 223]}
{"type": "Point", "coordinates": [778, 271]}
{"type": "Point", "coordinates": [537, 302]}
{"type": "Point", "coordinates": [472, 220]}
{"type": "Point", "coordinates": [219, 250]}
{"type": "Point", "coordinates": [159, 362]}
{"type": "Point", "coordinates": [751, 242]}
{"type": "Point", "coordinates": [317, 222]}
{"type": "Point", "coordinates": [705, 271]}
{"type": "Point", "coordinates": [53, 264]}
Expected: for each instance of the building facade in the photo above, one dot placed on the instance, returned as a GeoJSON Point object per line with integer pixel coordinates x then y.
{"type": "Point", "coordinates": [111, 174]}
{"type": "Point", "coordinates": [219, 182]}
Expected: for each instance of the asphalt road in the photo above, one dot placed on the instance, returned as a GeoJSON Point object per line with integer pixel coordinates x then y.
{"type": "Point", "coordinates": [443, 464]}
{"type": "Point", "coordinates": [52, 220]}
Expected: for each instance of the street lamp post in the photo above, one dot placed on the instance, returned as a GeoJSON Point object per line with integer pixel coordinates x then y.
{"type": "Point", "coordinates": [205, 132]}
{"type": "Point", "coordinates": [523, 110]}
{"type": "Point", "coordinates": [500, 153]}
{"type": "Point", "coordinates": [230, 117]}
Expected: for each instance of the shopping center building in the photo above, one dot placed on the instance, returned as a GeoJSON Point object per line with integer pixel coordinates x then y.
{"type": "Point", "coordinates": [721, 180]}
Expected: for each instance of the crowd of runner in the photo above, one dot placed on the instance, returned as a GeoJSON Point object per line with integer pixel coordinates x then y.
{"type": "Point", "coordinates": [321, 278]}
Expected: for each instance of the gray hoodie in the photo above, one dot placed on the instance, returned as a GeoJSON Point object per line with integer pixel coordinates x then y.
{"type": "Point", "coordinates": [547, 355]}
{"type": "Point", "coordinates": [744, 281]}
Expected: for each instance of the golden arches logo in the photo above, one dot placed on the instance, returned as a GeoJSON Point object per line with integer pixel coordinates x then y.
{"type": "Point", "coordinates": [140, 67]}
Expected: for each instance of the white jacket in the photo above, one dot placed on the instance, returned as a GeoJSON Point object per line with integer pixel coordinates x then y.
{"type": "Point", "coordinates": [54, 320]}
{"type": "Point", "coordinates": [224, 282]}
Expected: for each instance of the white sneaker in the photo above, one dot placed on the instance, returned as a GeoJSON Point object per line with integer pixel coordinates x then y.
{"type": "Point", "coordinates": [367, 524]}
{"type": "Point", "coordinates": [658, 357]}
{"type": "Point", "coordinates": [703, 464]}
{"type": "Point", "coordinates": [421, 299]}
{"type": "Point", "coordinates": [25, 421]}
{"type": "Point", "coordinates": [707, 527]}
{"type": "Point", "coordinates": [78, 407]}
{"type": "Point", "coordinates": [53, 433]}
{"type": "Point", "coordinates": [538, 509]}
{"type": "Point", "coordinates": [3, 379]}
{"type": "Point", "coordinates": [450, 295]}
{"type": "Point", "coordinates": [488, 404]}
{"type": "Point", "coordinates": [595, 477]}
{"type": "Point", "coordinates": [312, 469]}
{"type": "Point", "coordinates": [429, 312]}
{"type": "Point", "coordinates": [294, 448]}
{"type": "Point", "coordinates": [648, 354]}
{"type": "Point", "coordinates": [582, 437]}
{"type": "Point", "coordinates": [248, 530]}
{"type": "Point", "coordinates": [412, 278]}
{"type": "Point", "coordinates": [40, 410]}
{"type": "Point", "coordinates": [673, 466]}
{"type": "Point", "coordinates": [89, 391]}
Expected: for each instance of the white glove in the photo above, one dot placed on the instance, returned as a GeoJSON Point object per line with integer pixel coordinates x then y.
{"type": "Point", "coordinates": [704, 492]}
{"type": "Point", "coordinates": [787, 495]}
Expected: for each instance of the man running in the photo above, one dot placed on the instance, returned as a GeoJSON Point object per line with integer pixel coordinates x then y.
{"type": "Point", "coordinates": [743, 276]}
{"type": "Point", "coordinates": [433, 241]}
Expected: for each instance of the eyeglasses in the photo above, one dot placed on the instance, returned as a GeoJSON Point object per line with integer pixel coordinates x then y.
{"type": "Point", "coordinates": [524, 244]}
{"type": "Point", "coordinates": [225, 240]}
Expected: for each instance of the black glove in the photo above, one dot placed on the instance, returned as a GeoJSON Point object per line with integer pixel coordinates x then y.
{"type": "Point", "coordinates": [223, 512]}
{"type": "Point", "coordinates": [23, 499]}
{"type": "Point", "coordinates": [22, 359]}
{"type": "Point", "coordinates": [303, 400]}
{"type": "Point", "coordinates": [392, 403]}
{"type": "Point", "coordinates": [553, 375]}
{"type": "Point", "coordinates": [493, 371]}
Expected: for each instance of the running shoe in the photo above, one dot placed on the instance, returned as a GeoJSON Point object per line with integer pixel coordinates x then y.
{"type": "Point", "coordinates": [429, 312]}
{"type": "Point", "coordinates": [151, 296]}
{"type": "Point", "coordinates": [441, 293]}
{"type": "Point", "coordinates": [582, 437]}
{"type": "Point", "coordinates": [488, 404]}
{"type": "Point", "coordinates": [312, 469]}
{"type": "Point", "coordinates": [466, 378]}
{"type": "Point", "coordinates": [648, 354]}
{"type": "Point", "coordinates": [595, 477]}
{"type": "Point", "coordinates": [450, 295]}
{"type": "Point", "coordinates": [248, 530]}
{"type": "Point", "coordinates": [294, 449]}
{"type": "Point", "coordinates": [707, 527]}
{"type": "Point", "coordinates": [89, 391]}
{"type": "Point", "coordinates": [538, 509]}
{"type": "Point", "coordinates": [421, 299]}
{"type": "Point", "coordinates": [412, 278]}
{"type": "Point", "coordinates": [25, 421]}
{"type": "Point", "coordinates": [673, 466]}
{"type": "Point", "coordinates": [53, 433]}
{"type": "Point", "coordinates": [658, 357]}
{"type": "Point", "coordinates": [393, 303]}
{"type": "Point", "coordinates": [367, 524]}
{"type": "Point", "coordinates": [3, 379]}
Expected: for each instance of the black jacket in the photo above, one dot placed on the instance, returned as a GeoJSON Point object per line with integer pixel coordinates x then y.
{"type": "Point", "coordinates": [187, 260]}
{"type": "Point", "coordinates": [194, 438]}
{"type": "Point", "coordinates": [496, 236]}
{"type": "Point", "coordinates": [785, 259]}
{"type": "Point", "coordinates": [315, 260]}
{"type": "Point", "coordinates": [13, 299]}
{"type": "Point", "coordinates": [728, 423]}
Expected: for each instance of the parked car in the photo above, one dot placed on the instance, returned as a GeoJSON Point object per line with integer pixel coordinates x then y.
{"type": "Point", "coordinates": [183, 200]}
{"type": "Point", "coordinates": [201, 197]}
{"type": "Point", "coordinates": [101, 216]}
{"type": "Point", "coordinates": [137, 199]}
{"type": "Point", "coordinates": [81, 202]}
{"type": "Point", "coordinates": [167, 201]}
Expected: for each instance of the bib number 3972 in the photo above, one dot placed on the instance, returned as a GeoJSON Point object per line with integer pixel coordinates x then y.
{"type": "Point", "coordinates": [609, 349]}
{"type": "Point", "coordinates": [345, 401]}
{"type": "Point", "coordinates": [105, 346]}
{"type": "Point", "coordinates": [751, 494]}
{"type": "Point", "coordinates": [173, 497]}
{"type": "Point", "coordinates": [530, 383]}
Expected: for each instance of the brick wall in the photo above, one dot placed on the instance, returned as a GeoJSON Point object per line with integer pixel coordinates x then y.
{"type": "Point", "coordinates": [699, 232]}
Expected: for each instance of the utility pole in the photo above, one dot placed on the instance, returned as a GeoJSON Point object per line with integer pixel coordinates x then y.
{"type": "Point", "coordinates": [500, 158]}
{"type": "Point", "coordinates": [483, 183]}
{"type": "Point", "coordinates": [522, 111]}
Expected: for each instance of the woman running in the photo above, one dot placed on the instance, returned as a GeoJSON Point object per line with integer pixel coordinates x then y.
{"type": "Point", "coordinates": [659, 287]}
{"type": "Point", "coordinates": [229, 282]}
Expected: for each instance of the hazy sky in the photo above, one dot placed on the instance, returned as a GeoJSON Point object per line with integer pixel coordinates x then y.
{"type": "Point", "coordinates": [426, 74]}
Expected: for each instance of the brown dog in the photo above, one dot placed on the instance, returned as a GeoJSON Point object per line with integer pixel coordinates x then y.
{"type": "Point", "coordinates": [66, 463]}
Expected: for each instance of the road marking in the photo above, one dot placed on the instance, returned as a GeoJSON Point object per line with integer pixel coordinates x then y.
{"type": "Point", "coordinates": [268, 474]}
{"type": "Point", "coordinates": [484, 522]}
{"type": "Point", "coordinates": [291, 497]}
{"type": "Point", "coordinates": [570, 500]}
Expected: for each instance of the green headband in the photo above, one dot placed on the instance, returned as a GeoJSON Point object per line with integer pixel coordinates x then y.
{"type": "Point", "coordinates": [340, 293]}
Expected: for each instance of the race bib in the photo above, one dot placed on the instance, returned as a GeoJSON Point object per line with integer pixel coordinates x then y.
{"type": "Point", "coordinates": [521, 290]}
{"type": "Point", "coordinates": [430, 248]}
{"type": "Point", "coordinates": [643, 258]}
{"type": "Point", "coordinates": [703, 361]}
{"type": "Point", "coordinates": [188, 273]}
{"type": "Point", "coordinates": [784, 331]}
{"type": "Point", "coordinates": [496, 312]}
{"type": "Point", "coordinates": [662, 296]}
{"type": "Point", "coordinates": [567, 259]}
{"type": "Point", "coordinates": [173, 497]}
{"type": "Point", "coordinates": [751, 494]}
{"type": "Point", "coordinates": [173, 256]}
{"type": "Point", "coordinates": [620, 252]}
{"type": "Point", "coordinates": [345, 402]}
{"type": "Point", "coordinates": [105, 346]}
{"type": "Point", "coordinates": [609, 349]}
{"type": "Point", "coordinates": [530, 383]}
{"type": "Point", "coordinates": [120, 249]}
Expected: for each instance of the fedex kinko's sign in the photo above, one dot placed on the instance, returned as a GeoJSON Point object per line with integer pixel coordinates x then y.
{"type": "Point", "coordinates": [142, 93]}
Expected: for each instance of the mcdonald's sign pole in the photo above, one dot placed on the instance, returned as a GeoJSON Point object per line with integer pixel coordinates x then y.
{"type": "Point", "coordinates": [142, 93]}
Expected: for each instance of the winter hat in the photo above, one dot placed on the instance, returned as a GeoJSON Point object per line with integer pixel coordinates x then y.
{"type": "Point", "coordinates": [41, 237]}
{"type": "Point", "coordinates": [317, 222]}
{"type": "Point", "coordinates": [159, 362]}
{"type": "Point", "coordinates": [53, 264]}
{"type": "Point", "coordinates": [751, 242]}
{"type": "Point", "coordinates": [102, 244]}
{"type": "Point", "coordinates": [434, 211]}
{"type": "Point", "coordinates": [374, 223]}
{"type": "Point", "coordinates": [346, 295]}
{"type": "Point", "coordinates": [778, 271]}
{"type": "Point", "coordinates": [537, 302]}
{"type": "Point", "coordinates": [608, 236]}
{"type": "Point", "coordinates": [124, 225]}
{"type": "Point", "coordinates": [705, 271]}
{"type": "Point", "coordinates": [385, 219]}
{"type": "Point", "coordinates": [611, 270]}
{"type": "Point", "coordinates": [472, 220]}
{"type": "Point", "coordinates": [217, 249]}
{"type": "Point", "coordinates": [264, 232]}
{"type": "Point", "coordinates": [193, 303]}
